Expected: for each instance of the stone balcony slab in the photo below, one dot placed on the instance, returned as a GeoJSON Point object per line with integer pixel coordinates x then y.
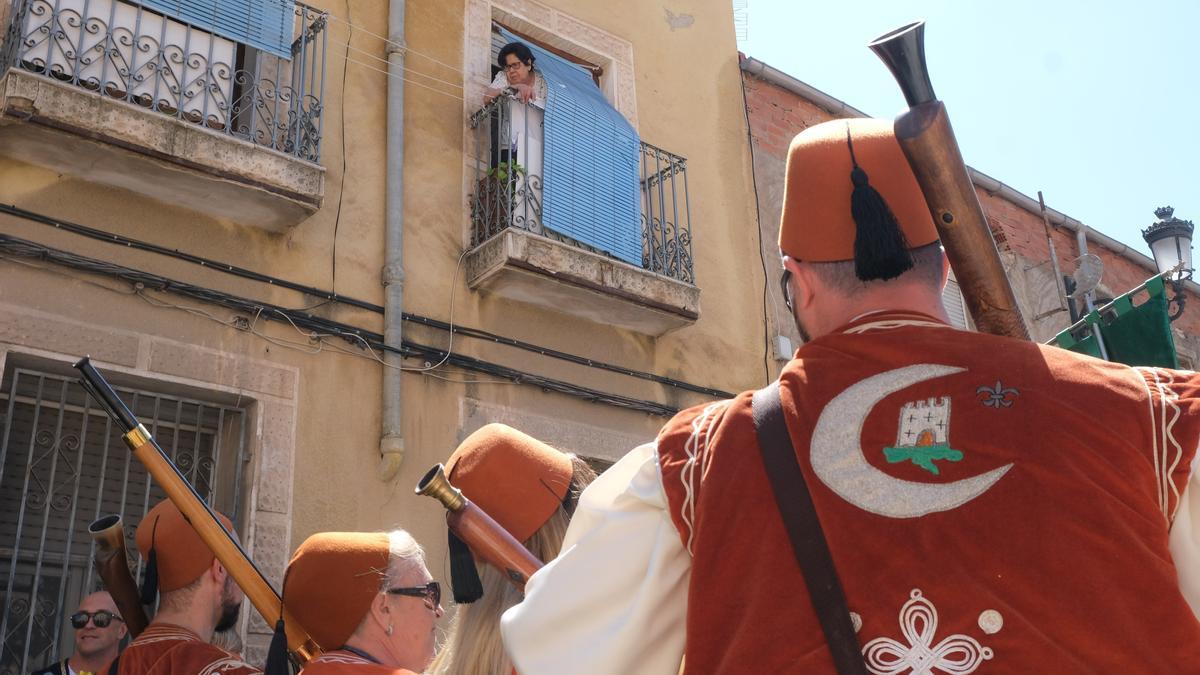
{"type": "Point", "coordinates": [71, 130]}
{"type": "Point", "coordinates": [529, 268]}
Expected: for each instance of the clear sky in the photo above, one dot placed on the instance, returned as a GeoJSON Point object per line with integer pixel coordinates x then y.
{"type": "Point", "coordinates": [1096, 104]}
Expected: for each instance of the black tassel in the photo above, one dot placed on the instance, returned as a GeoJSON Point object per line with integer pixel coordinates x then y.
{"type": "Point", "coordinates": [464, 578]}
{"type": "Point", "coordinates": [880, 247]}
{"type": "Point", "coordinates": [150, 581]}
{"type": "Point", "coordinates": [277, 653]}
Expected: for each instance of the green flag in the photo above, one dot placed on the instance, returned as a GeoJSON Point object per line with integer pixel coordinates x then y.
{"type": "Point", "coordinates": [1136, 335]}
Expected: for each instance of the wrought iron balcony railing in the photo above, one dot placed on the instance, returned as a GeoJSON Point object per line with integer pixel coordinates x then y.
{"type": "Point", "coordinates": [124, 51]}
{"type": "Point", "coordinates": [508, 190]}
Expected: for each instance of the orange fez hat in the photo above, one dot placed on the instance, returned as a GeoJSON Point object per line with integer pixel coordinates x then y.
{"type": "Point", "coordinates": [516, 479]}
{"type": "Point", "coordinates": [850, 194]}
{"type": "Point", "coordinates": [331, 581]}
{"type": "Point", "coordinates": [175, 555]}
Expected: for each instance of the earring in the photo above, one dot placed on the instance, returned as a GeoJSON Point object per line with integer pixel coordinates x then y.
{"type": "Point", "coordinates": [389, 630]}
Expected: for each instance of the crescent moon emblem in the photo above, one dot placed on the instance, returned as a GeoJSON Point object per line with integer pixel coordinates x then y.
{"type": "Point", "coordinates": [838, 460]}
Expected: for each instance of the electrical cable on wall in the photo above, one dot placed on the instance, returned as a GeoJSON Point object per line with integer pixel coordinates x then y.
{"type": "Point", "coordinates": [758, 227]}
{"type": "Point", "coordinates": [28, 249]}
{"type": "Point", "coordinates": [326, 297]}
{"type": "Point", "coordinates": [337, 219]}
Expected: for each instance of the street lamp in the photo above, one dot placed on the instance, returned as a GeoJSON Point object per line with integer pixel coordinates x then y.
{"type": "Point", "coordinates": [1170, 241]}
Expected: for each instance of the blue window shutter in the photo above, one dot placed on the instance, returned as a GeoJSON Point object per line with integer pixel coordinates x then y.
{"type": "Point", "coordinates": [264, 24]}
{"type": "Point", "coordinates": [592, 161]}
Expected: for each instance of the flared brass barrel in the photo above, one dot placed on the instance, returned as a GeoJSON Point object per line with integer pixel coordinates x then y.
{"type": "Point", "coordinates": [112, 564]}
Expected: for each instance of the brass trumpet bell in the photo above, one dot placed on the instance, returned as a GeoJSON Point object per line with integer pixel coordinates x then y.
{"type": "Point", "coordinates": [435, 484]}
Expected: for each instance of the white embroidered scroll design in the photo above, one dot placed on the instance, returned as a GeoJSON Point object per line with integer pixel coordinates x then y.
{"type": "Point", "coordinates": [1167, 452]}
{"type": "Point", "coordinates": [955, 654]}
{"type": "Point", "coordinates": [893, 323]}
{"type": "Point", "coordinates": [696, 448]}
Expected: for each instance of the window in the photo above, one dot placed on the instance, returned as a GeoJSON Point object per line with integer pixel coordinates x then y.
{"type": "Point", "coordinates": [264, 24]}
{"type": "Point", "coordinates": [63, 465]}
{"type": "Point", "coordinates": [956, 308]}
{"type": "Point", "coordinates": [567, 158]}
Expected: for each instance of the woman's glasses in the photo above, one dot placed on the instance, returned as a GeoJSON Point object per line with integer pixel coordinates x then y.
{"type": "Point", "coordinates": [100, 618]}
{"type": "Point", "coordinates": [432, 592]}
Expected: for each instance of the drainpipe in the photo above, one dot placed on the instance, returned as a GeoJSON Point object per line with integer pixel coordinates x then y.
{"type": "Point", "coordinates": [391, 437]}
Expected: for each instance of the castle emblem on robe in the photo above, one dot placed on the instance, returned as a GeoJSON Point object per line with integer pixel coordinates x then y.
{"type": "Point", "coordinates": [923, 435]}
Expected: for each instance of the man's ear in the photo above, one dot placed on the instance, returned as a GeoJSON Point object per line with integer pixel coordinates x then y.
{"type": "Point", "coordinates": [380, 610]}
{"type": "Point", "coordinates": [804, 289]}
{"type": "Point", "coordinates": [218, 573]}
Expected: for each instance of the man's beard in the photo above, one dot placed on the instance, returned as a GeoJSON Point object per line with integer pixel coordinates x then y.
{"type": "Point", "coordinates": [230, 608]}
{"type": "Point", "coordinates": [804, 335]}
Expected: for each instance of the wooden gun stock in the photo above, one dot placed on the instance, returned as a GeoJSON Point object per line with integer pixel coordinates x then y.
{"type": "Point", "coordinates": [486, 538]}
{"type": "Point", "coordinates": [928, 142]}
{"type": "Point", "coordinates": [112, 564]}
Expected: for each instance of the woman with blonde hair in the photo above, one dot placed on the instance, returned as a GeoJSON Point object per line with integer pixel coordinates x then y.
{"type": "Point", "coordinates": [530, 489]}
{"type": "Point", "coordinates": [367, 599]}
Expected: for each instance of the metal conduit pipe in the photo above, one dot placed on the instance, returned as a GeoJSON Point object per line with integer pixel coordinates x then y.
{"type": "Point", "coordinates": [990, 185]}
{"type": "Point", "coordinates": [391, 435]}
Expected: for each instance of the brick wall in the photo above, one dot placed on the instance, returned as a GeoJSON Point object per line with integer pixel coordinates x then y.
{"type": "Point", "coordinates": [777, 115]}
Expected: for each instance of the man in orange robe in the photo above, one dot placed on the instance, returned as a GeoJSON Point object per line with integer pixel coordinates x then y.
{"type": "Point", "coordinates": [196, 598]}
{"type": "Point", "coordinates": [990, 504]}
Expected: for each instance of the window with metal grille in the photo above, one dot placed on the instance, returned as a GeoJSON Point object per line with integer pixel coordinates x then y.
{"type": "Point", "coordinates": [62, 465]}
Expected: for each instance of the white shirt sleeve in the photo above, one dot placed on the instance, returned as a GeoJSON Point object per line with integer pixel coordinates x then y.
{"type": "Point", "coordinates": [1185, 541]}
{"type": "Point", "coordinates": [615, 599]}
{"type": "Point", "coordinates": [500, 81]}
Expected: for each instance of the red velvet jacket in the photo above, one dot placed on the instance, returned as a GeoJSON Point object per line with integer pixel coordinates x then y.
{"type": "Point", "coordinates": [988, 502]}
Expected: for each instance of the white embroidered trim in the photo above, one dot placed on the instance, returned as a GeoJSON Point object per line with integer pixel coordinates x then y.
{"type": "Point", "coordinates": [1167, 452]}
{"type": "Point", "coordinates": [955, 655]}
{"type": "Point", "coordinates": [893, 323]}
{"type": "Point", "coordinates": [165, 635]}
{"type": "Point", "coordinates": [696, 448]}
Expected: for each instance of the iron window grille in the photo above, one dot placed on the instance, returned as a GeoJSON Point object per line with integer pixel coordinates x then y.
{"type": "Point", "coordinates": [62, 465]}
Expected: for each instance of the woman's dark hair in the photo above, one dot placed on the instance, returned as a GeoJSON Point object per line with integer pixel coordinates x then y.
{"type": "Point", "coordinates": [518, 49]}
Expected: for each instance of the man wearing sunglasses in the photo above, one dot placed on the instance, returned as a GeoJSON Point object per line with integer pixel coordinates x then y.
{"type": "Point", "coordinates": [99, 630]}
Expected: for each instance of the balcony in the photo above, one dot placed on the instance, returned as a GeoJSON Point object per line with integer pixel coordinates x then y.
{"type": "Point", "coordinates": [121, 95]}
{"type": "Point", "coordinates": [515, 255]}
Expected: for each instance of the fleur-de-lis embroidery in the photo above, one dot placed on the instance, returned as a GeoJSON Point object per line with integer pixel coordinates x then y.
{"type": "Point", "coordinates": [955, 654]}
{"type": "Point", "coordinates": [998, 396]}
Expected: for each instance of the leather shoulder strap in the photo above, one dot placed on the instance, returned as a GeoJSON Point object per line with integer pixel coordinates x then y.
{"type": "Point", "coordinates": [804, 529]}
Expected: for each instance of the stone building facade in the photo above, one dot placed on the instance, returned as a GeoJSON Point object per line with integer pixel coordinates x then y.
{"type": "Point", "coordinates": [213, 233]}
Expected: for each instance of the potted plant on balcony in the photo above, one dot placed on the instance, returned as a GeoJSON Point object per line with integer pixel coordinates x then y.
{"type": "Point", "coordinates": [495, 196]}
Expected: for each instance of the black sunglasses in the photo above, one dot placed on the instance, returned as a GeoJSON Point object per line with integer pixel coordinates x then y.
{"type": "Point", "coordinates": [432, 592]}
{"type": "Point", "coordinates": [787, 291]}
{"type": "Point", "coordinates": [100, 618]}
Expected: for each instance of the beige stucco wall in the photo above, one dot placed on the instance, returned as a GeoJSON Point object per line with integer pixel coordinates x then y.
{"type": "Point", "coordinates": [682, 83]}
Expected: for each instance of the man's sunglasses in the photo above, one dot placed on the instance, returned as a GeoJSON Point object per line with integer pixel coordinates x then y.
{"type": "Point", "coordinates": [787, 290]}
{"type": "Point", "coordinates": [100, 618]}
{"type": "Point", "coordinates": [432, 592]}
